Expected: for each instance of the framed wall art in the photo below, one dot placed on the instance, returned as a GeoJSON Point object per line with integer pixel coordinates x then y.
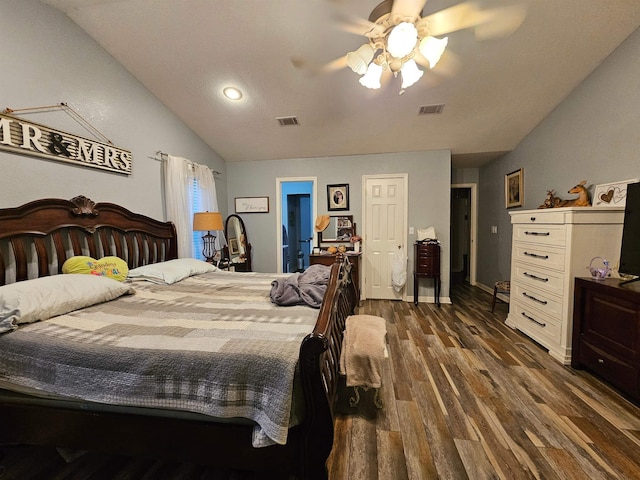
{"type": "Point", "coordinates": [252, 204]}
{"type": "Point", "coordinates": [514, 188]}
{"type": "Point", "coordinates": [612, 194]}
{"type": "Point", "coordinates": [338, 197]}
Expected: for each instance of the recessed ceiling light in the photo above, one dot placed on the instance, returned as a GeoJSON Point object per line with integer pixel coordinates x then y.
{"type": "Point", "coordinates": [232, 93]}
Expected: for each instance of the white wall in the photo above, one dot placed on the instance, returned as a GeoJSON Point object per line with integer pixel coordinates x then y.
{"type": "Point", "coordinates": [592, 135]}
{"type": "Point", "coordinates": [429, 187]}
{"type": "Point", "coordinates": [48, 59]}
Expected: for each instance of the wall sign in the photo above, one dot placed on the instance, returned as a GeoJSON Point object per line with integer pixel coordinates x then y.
{"type": "Point", "coordinates": [252, 204]}
{"type": "Point", "coordinates": [28, 138]}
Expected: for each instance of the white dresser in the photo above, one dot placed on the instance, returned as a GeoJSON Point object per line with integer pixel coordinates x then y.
{"type": "Point", "coordinates": [550, 248]}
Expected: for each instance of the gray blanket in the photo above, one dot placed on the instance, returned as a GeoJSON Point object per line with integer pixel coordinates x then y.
{"type": "Point", "coordinates": [306, 288]}
{"type": "Point", "coordinates": [212, 344]}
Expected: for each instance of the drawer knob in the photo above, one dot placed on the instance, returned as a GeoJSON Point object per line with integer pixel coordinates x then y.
{"type": "Point", "coordinates": [533, 219]}
{"type": "Point", "coordinates": [600, 361]}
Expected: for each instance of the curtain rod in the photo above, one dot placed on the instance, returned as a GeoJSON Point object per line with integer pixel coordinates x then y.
{"type": "Point", "coordinates": [164, 156]}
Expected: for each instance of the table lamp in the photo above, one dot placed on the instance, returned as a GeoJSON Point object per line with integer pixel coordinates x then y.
{"type": "Point", "coordinates": [208, 221]}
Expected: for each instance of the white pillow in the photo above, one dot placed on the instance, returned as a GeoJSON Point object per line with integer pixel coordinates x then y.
{"type": "Point", "coordinates": [46, 297]}
{"type": "Point", "coordinates": [170, 271]}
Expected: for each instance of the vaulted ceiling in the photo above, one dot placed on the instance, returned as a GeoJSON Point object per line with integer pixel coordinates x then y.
{"type": "Point", "coordinates": [494, 91]}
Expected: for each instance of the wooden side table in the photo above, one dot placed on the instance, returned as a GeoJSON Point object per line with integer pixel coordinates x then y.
{"type": "Point", "coordinates": [427, 265]}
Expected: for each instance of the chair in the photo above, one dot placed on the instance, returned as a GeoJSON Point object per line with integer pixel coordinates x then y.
{"type": "Point", "coordinates": [504, 287]}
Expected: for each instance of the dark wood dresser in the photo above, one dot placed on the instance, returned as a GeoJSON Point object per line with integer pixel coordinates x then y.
{"type": "Point", "coordinates": [606, 331]}
{"type": "Point", "coordinates": [427, 265]}
{"type": "Point", "coordinates": [329, 259]}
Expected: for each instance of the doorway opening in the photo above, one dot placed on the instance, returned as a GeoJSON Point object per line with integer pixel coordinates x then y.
{"type": "Point", "coordinates": [463, 233]}
{"type": "Point", "coordinates": [295, 213]}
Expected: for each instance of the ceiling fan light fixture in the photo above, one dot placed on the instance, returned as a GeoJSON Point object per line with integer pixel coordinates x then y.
{"type": "Point", "coordinates": [410, 73]}
{"type": "Point", "coordinates": [402, 39]}
{"type": "Point", "coordinates": [432, 49]}
{"type": "Point", "coordinates": [371, 79]}
{"type": "Point", "coordinates": [360, 59]}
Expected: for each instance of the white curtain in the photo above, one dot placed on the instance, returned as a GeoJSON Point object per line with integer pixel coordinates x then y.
{"type": "Point", "coordinates": [189, 188]}
{"type": "Point", "coordinates": [205, 198]}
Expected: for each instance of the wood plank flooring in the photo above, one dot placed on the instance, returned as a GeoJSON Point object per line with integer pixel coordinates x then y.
{"type": "Point", "coordinates": [467, 397]}
{"type": "Point", "coordinates": [464, 397]}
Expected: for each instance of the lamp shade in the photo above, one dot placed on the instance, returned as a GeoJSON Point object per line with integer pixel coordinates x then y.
{"type": "Point", "coordinates": [207, 221]}
{"type": "Point", "coordinates": [359, 59]}
{"type": "Point", "coordinates": [402, 39]}
{"type": "Point", "coordinates": [371, 79]}
{"type": "Point", "coordinates": [410, 73]}
{"type": "Point", "coordinates": [432, 49]}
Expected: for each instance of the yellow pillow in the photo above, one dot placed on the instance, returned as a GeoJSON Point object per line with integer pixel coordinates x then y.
{"type": "Point", "coordinates": [113, 267]}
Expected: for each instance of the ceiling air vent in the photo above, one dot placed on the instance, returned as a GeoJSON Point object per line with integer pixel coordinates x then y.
{"type": "Point", "coordinates": [430, 109]}
{"type": "Point", "coordinates": [287, 121]}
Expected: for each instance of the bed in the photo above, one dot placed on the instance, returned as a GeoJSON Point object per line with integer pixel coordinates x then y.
{"type": "Point", "coordinates": [35, 241]}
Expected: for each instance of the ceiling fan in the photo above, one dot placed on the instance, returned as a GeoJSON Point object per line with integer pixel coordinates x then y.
{"type": "Point", "coordinates": [399, 37]}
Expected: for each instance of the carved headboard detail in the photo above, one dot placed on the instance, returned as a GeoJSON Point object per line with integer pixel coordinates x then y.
{"type": "Point", "coordinates": [38, 237]}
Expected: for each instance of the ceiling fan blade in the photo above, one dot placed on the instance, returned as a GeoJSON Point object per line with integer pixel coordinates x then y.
{"type": "Point", "coordinates": [357, 25]}
{"type": "Point", "coordinates": [332, 66]}
{"type": "Point", "coordinates": [409, 9]}
{"type": "Point", "coordinates": [503, 23]}
{"type": "Point", "coordinates": [488, 23]}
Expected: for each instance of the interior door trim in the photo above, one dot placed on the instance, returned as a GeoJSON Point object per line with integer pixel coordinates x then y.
{"type": "Point", "coordinates": [314, 202]}
{"type": "Point", "coordinates": [473, 253]}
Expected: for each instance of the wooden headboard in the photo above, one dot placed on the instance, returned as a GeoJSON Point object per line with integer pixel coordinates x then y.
{"type": "Point", "coordinates": [37, 238]}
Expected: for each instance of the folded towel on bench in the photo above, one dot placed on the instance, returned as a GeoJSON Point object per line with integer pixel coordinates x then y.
{"type": "Point", "coordinates": [363, 351]}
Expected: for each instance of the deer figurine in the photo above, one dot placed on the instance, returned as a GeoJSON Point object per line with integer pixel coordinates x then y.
{"type": "Point", "coordinates": [551, 201]}
{"type": "Point", "coordinates": [583, 197]}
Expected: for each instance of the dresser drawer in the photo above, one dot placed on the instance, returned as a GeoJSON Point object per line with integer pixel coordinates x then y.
{"type": "Point", "coordinates": [615, 370]}
{"type": "Point", "coordinates": [542, 279]}
{"type": "Point", "coordinates": [543, 328]}
{"type": "Point", "coordinates": [540, 234]}
{"type": "Point", "coordinates": [540, 255]}
{"type": "Point", "coordinates": [427, 261]}
{"type": "Point", "coordinates": [532, 297]}
{"type": "Point", "coordinates": [540, 217]}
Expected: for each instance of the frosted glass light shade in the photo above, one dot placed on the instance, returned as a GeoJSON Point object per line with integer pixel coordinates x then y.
{"type": "Point", "coordinates": [371, 79]}
{"type": "Point", "coordinates": [410, 73]}
{"type": "Point", "coordinates": [432, 49]}
{"type": "Point", "coordinates": [402, 39]}
{"type": "Point", "coordinates": [360, 59]}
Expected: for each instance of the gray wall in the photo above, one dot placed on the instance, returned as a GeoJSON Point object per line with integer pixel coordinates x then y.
{"type": "Point", "coordinates": [48, 59]}
{"type": "Point", "coordinates": [429, 184]}
{"type": "Point", "coordinates": [594, 134]}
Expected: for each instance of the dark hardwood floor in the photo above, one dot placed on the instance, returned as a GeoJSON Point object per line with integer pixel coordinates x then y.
{"type": "Point", "coordinates": [464, 397]}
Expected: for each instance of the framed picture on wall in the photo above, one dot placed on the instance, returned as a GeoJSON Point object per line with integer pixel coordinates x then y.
{"type": "Point", "coordinates": [338, 197]}
{"type": "Point", "coordinates": [514, 188]}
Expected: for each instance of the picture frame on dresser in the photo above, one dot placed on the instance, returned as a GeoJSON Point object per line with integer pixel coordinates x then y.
{"type": "Point", "coordinates": [514, 189]}
{"type": "Point", "coordinates": [612, 194]}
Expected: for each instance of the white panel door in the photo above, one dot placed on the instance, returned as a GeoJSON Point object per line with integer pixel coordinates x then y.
{"type": "Point", "coordinates": [385, 218]}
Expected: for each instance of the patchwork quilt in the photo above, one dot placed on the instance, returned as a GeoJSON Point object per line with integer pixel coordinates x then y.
{"type": "Point", "coordinates": [214, 344]}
